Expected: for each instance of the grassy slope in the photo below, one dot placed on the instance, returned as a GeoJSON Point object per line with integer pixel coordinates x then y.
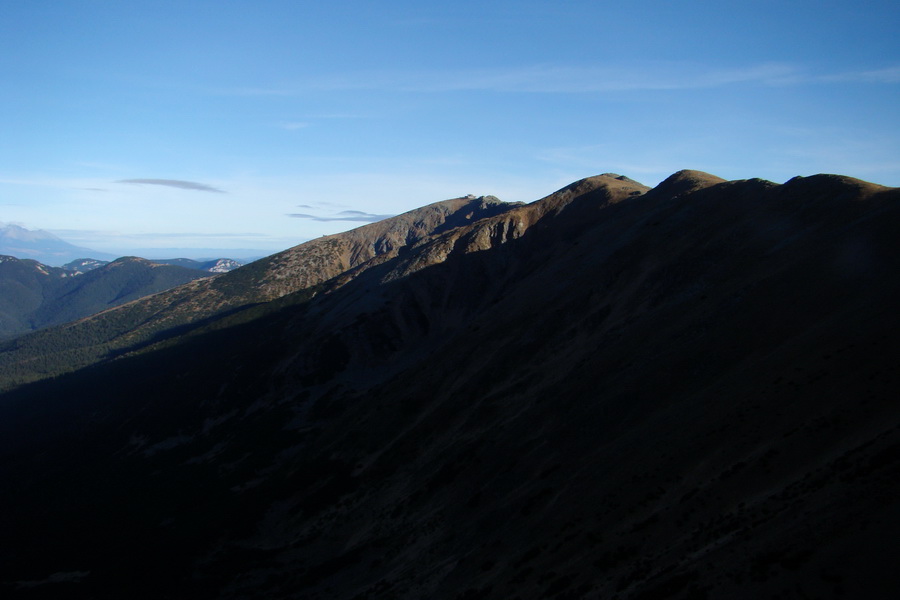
{"type": "Point", "coordinates": [689, 393]}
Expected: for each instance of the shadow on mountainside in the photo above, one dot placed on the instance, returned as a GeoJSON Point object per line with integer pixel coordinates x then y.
{"type": "Point", "coordinates": [689, 393]}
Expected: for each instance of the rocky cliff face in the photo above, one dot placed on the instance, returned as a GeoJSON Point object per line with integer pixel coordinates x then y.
{"type": "Point", "coordinates": [612, 392]}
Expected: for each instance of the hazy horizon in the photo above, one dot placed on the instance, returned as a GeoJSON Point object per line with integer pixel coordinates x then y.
{"type": "Point", "coordinates": [245, 125]}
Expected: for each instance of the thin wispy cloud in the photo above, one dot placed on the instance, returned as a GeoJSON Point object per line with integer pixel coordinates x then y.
{"type": "Point", "coordinates": [50, 182]}
{"type": "Point", "coordinates": [566, 79]}
{"type": "Point", "coordinates": [885, 76]}
{"type": "Point", "coordinates": [175, 183]}
{"type": "Point", "coordinates": [259, 91]}
{"type": "Point", "coordinates": [345, 215]}
{"type": "Point", "coordinates": [195, 234]}
{"type": "Point", "coordinates": [92, 233]}
{"type": "Point", "coordinates": [579, 79]}
{"type": "Point", "coordinates": [660, 76]}
{"type": "Point", "coordinates": [339, 115]}
{"type": "Point", "coordinates": [310, 120]}
{"type": "Point", "coordinates": [293, 125]}
{"type": "Point", "coordinates": [183, 243]}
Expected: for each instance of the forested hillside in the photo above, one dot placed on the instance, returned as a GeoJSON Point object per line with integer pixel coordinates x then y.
{"type": "Point", "coordinates": [34, 296]}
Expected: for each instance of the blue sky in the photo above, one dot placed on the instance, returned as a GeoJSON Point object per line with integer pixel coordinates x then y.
{"type": "Point", "coordinates": [238, 125]}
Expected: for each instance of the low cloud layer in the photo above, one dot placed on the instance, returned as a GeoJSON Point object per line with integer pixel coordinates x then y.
{"type": "Point", "coordinates": [346, 215]}
{"type": "Point", "coordinates": [175, 183]}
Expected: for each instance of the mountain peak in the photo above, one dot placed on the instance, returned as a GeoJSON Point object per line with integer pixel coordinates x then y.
{"type": "Point", "coordinates": [39, 245]}
{"type": "Point", "coordinates": [824, 181]}
{"type": "Point", "coordinates": [124, 260]}
{"type": "Point", "coordinates": [612, 186]}
{"type": "Point", "coordinates": [17, 232]}
{"type": "Point", "coordinates": [618, 177]}
{"type": "Point", "coordinates": [687, 180]}
{"type": "Point", "coordinates": [491, 402]}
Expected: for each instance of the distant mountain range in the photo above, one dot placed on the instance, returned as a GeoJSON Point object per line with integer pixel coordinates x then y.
{"type": "Point", "coordinates": [50, 250]}
{"type": "Point", "coordinates": [218, 265]}
{"type": "Point", "coordinates": [688, 391]}
{"type": "Point", "coordinates": [42, 246]}
{"type": "Point", "coordinates": [299, 269]}
{"type": "Point", "coordinates": [34, 295]}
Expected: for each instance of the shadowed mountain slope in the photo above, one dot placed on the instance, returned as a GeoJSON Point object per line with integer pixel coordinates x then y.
{"type": "Point", "coordinates": [689, 392]}
{"type": "Point", "coordinates": [112, 333]}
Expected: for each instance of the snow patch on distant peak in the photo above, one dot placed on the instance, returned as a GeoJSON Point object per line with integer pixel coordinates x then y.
{"type": "Point", "coordinates": [223, 265]}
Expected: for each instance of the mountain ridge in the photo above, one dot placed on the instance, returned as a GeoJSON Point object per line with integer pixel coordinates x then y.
{"type": "Point", "coordinates": [36, 296]}
{"type": "Point", "coordinates": [216, 265]}
{"type": "Point", "coordinates": [302, 267]}
{"type": "Point", "coordinates": [674, 394]}
{"type": "Point", "coordinates": [41, 246]}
